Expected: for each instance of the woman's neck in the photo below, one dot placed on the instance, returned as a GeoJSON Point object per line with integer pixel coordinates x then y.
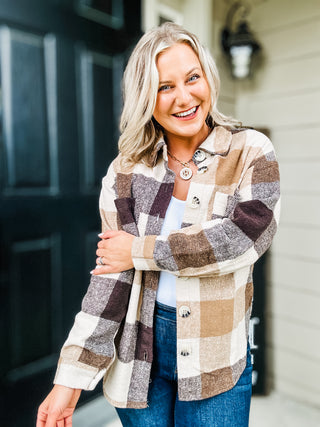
{"type": "Point", "coordinates": [184, 148]}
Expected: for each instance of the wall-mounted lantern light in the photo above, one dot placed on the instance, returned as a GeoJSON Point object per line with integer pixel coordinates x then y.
{"type": "Point", "coordinates": [239, 44]}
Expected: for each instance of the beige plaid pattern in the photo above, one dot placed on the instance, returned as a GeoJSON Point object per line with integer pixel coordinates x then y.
{"type": "Point", "coordinates": [231, 216]}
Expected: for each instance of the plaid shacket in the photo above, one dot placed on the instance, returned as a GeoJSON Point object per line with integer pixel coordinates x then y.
{"type": "Point", "coordinates": [231, 215]}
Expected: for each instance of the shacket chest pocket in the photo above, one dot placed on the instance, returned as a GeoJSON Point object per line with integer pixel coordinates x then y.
{"type": "Point", "coordinates": [206, 200]}
{"type": "Point", "coordinates": [205, 203]}
{"type": "Point", "coordinates": [223, 204]}
{"type": "Point", "coordinates": [197, 209]}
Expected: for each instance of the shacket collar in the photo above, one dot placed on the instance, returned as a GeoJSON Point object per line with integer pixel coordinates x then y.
{"type": "Point", "coordinates": [217, 142]}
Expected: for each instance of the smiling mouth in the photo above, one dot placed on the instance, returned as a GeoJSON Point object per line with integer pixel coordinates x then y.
{"type": "Point", "coordinates": [187, 113]}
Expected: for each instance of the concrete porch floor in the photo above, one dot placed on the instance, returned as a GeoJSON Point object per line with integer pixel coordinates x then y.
{"type": "Point", "coordinates": [274, 410]}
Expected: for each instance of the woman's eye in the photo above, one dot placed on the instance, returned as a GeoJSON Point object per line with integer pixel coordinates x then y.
{"type": "Point", "coordinates": [164, 87]}
{"type": "Point", "coordinates": [194, 77]}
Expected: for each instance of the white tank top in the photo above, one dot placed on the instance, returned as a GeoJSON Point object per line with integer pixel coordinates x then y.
{"type": "Point", "coordinates": [166, 293]}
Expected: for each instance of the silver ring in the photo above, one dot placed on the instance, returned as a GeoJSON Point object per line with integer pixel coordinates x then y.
{"type": "Point", "coordinates": [100, 261]}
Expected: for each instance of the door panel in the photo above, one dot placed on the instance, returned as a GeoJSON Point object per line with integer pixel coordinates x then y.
{"type": "Point", "coordinates": [33, 306]}
{"type": "Point", "coordinates": [100, 109]}
{"type": "Point", "coordinates": [26, 67]}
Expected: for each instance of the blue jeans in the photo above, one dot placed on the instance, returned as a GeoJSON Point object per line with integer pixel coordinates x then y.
{"type": "Point", "coordinates": [229, 409]}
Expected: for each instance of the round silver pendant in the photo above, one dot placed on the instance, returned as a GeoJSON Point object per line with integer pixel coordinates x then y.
{"type": "Point", "coordinates": [186, 173]}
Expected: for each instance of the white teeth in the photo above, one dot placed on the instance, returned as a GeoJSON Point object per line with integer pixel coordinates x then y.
{"type": "Point", "coordinates": [186, 113]}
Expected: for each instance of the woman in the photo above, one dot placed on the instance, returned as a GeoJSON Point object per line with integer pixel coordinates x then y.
{"type": "Point", "coordinates": [188, 206]}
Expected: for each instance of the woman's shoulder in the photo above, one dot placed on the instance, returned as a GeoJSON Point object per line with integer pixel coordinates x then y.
{"type": "Point", "coordinates": [249, 131]}
{"type": "Point", "coordinates": [120, 166]}
{"type": "Point", "coordinates": [252, 137]}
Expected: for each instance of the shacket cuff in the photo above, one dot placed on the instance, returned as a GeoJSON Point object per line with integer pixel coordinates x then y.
{"type": "Point", "coordinates": [75, 377]}
{"type": "Point", "coordinates": [142, 253]}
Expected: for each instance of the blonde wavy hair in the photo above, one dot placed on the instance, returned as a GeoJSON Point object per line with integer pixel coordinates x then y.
{"type": "Point", "coordinates": [139, 131]}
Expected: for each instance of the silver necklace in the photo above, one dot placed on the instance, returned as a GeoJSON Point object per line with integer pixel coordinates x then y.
{"type": "Point", "coordinates": [186, 171]}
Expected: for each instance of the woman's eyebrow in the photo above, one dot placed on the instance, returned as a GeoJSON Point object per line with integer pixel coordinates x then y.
{"type": "Point", "coordinates": [161, 82]}
{"type": "Point", "coordinates": [192, 70]}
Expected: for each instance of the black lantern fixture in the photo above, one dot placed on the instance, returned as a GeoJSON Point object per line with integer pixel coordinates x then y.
{"type": "Point", "coordinates": [239, 45]}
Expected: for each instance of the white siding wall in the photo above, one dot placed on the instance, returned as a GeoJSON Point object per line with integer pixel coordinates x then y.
{"type": "Point", "coordinates": [285, 97]}
{"type": "Point", "coordinates": [227, 98]}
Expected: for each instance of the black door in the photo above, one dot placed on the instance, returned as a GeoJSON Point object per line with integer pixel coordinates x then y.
{"type": "Point", "coordinates": [61, 63]}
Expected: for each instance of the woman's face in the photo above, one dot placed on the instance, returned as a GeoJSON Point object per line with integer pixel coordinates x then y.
{"type": "Point", "coordinates": [183, 99]}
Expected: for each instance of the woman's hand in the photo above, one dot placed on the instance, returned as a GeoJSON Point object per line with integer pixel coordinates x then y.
{"type": "Point", "coordinates": [58, 407]}
{"type": "Point", "coordinates": [114, 250]}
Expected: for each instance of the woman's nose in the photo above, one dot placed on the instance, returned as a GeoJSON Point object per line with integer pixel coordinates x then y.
{"type": "Point", "coordinates": [183, 96]}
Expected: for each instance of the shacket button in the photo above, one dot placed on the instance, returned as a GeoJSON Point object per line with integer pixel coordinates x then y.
{"type": "Point", "coordinates": [203, 169]}
{"type": "Point", "coordinates": [184, 311]}
{"type": "Point", "coordinates": [195, 202]}
{"type": "Point", "coordinates": [199, 156]}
